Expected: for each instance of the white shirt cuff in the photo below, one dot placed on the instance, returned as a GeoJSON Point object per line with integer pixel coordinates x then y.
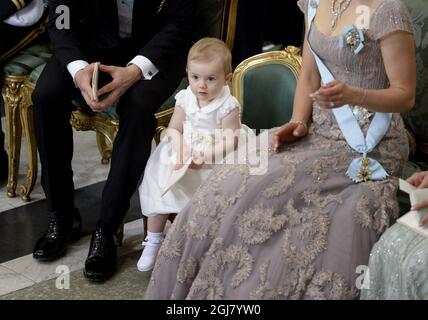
{"type": "Point", "coordinates": [75, 66]}
{"type": "Point", "coordinates": [146, 66]}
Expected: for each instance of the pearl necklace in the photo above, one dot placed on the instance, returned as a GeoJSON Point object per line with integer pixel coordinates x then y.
{"type": "Point", "coordinates": [337, 12]}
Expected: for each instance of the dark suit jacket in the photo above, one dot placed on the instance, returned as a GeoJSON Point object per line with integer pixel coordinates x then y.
{"type": "Point", "coordinates": [160, 29]}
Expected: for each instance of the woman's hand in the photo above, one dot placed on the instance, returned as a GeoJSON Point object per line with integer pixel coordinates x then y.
{"type": "Point", "coordinates": [289, 132]}
{"type": "Point", "coordinates": [421, 205]}
{"type": "Point", "coordinates": [420, 181]}
{"type": "Point", "coordinates": [336, 94]}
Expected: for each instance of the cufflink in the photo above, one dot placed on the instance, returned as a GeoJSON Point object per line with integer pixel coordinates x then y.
{"type": "Point", "coordinates": [150, 73]}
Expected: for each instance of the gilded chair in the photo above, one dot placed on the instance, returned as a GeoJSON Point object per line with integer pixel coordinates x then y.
{"type": "Point", "coordinates": [264, 84]}
{"type": "Point", "coordinates": [16, 66]}
{"type": "Point", "coordinates": [215, 18]}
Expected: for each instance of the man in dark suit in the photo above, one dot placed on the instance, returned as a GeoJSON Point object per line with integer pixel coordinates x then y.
{"type": "Point", "coordinates": [142, 45]}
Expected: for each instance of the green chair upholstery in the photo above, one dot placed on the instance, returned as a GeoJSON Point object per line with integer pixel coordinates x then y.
{"type": "Point", "coordinates": [264, 85]}
{"type": "Point", "coordinates": [27, 60]}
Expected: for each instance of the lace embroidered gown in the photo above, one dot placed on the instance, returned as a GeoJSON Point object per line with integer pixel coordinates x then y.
{"type": "Point", "coordinates": [300, 230]}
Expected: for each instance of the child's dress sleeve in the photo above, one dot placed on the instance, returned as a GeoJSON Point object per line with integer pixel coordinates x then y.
{"type": "Point", "coordinates": [180, 98]}
{"type": "Point", "coordinates": [228, 106]}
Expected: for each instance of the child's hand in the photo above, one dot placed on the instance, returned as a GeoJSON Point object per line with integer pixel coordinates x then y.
{"type": "Point", "coordinates": [195, 166]}
{"type": "Point", "coordinates": [197, 160]}
{"type": "Point", "coordinates": [183, 156]}
{"type": "Point", "coordinates": [178, 166]}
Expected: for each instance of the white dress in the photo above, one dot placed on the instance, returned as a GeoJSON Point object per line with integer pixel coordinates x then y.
{"type": "Point", "coordinates": [199, 129]}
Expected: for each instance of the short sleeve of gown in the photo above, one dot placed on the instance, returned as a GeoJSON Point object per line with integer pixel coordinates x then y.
{"type": "Point", "coordinates": [303, 5]}
{"type": "Point", "coordinates": [390, 16]}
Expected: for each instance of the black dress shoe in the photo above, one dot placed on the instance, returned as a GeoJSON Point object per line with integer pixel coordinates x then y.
{"type": "Point", "coordinates": [101, 263]}
{"type": "Point", "coordinates": [53, 243]}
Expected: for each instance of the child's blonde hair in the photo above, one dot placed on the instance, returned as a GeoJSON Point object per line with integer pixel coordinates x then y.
{"type": "Point", "coordinates": [208, 49]}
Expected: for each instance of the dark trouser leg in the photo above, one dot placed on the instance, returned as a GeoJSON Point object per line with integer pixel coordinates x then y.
{"type": "Point", "coordinates": [52, 109]}
{"type": "Point", "coordinates": [132, 145]}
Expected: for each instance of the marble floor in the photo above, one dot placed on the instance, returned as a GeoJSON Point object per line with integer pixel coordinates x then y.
{"type": "Point", "coordinates": [22, 223]}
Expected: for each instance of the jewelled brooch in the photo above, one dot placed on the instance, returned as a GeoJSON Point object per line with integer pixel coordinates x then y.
{"type": "Point", "coordinates": [364, 172]}
{"type": "Point", "coordinates": [361, 114]}
{"type": "Point", "coordinates": [352, 38]}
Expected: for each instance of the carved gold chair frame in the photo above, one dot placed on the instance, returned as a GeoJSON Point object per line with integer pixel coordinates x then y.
{"type": "Point", "coordinates": [19, 121]}
{"type": "Point", "coordinates": [290, 57]}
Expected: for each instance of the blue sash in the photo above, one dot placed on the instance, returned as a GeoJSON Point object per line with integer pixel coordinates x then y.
{"type": "Point", "coordinates": [362, 168]}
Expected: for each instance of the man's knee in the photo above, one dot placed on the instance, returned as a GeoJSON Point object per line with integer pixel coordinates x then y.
{"type": "Point", "coordinates": [139, 105]}
{"type": "Point", "coordinates": [53, 86]}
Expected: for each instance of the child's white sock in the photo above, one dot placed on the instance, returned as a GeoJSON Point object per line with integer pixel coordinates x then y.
{"type": "Point", "coordinates": [154, 237]}
{"type": "Point", "coordinates": [151, 245]}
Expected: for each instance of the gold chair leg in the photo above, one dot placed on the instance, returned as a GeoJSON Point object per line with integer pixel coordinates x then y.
{"type": "Point", "coordinates": [12, 96]}
{"type": "Point", "coordinates": [172, 217]}
{"type": "Point", "coordinates": [106, 130]}
{"type": "Point", "coordinates": [27, 122]}
{"type": "Point", "coordinates": [120, 233]}
{"type": "Point", "coordinates": [159, 130]}
{"type": "Point", "coordinates": [103, 148]}
{"type": "Point", "coordinates": [145, 225]}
